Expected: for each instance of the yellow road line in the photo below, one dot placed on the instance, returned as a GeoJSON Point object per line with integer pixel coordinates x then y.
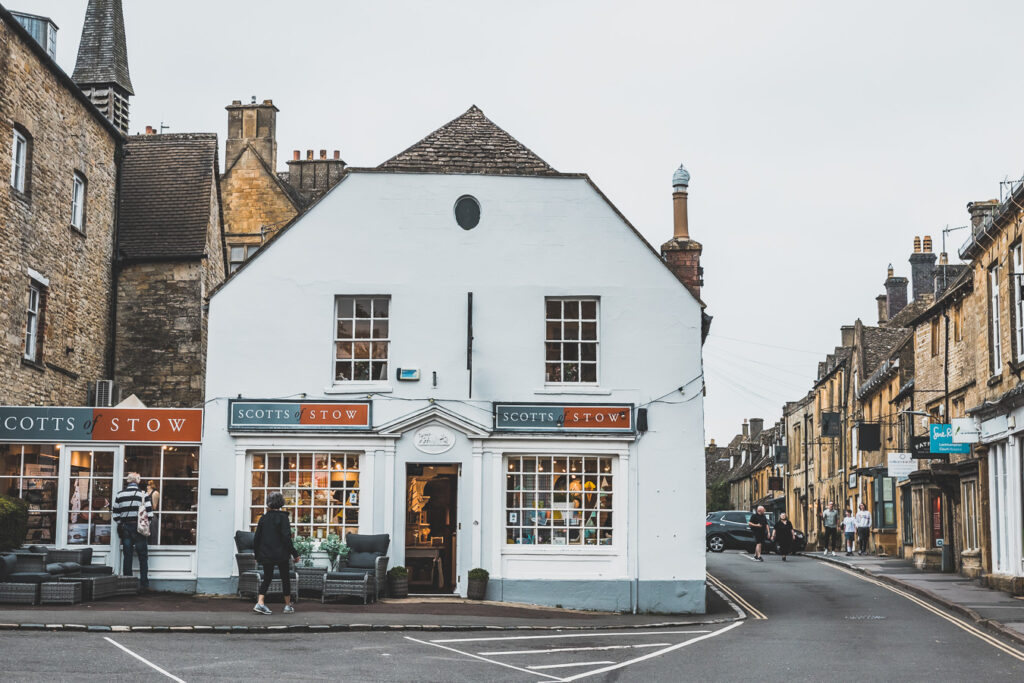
{"type": "Point", "coordinates": [754, 612]}
{"type": "Point", "coordinates": [960, 623]}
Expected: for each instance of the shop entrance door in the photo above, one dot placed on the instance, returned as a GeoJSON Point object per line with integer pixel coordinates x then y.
{"type": "Point", "coordinates": [431, 525]}
{"type": "Point", "coordinates": [89, 494]}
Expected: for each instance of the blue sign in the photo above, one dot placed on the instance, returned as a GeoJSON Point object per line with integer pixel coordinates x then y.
{"type": "Point", "coordinates": [941, 440]}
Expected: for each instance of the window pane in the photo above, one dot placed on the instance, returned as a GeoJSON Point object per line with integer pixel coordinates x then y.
{"type": "Point", "coordinates": [588, 372]}
{"type": "Point", "coordinates": [237, 253]}
{"type": "Point", "coordinates": [345, 329]}
{"type": "Point", "coordinates": [361, 350]}
{"type": "Point", "coordinates": [361, 371]}
{"type": "Point", "coordinates": [380, 308]}
{"type": "Point", "coordinates": [363, 308]}
{"type": "Point", "coordinates": [142, 459]}
{"type": "Point", "coordinates": [362, 329]}
{"type": "Point", "coordinates": [10, 460]}
{"type": "Point", "coordinates": [380, 350]}
{"type": "Point", "coordinates": [42, 526]}
{"type": "Point", "coordinates": [177, 529]}
{"type": "Point", "coordinates": [181, 462]}
{"type": "Point", "coordinates": [589, 310]}
{"type": "Point", "coordinates": [345, 306]}
{"type": "Point", "coordinates": [572, 309]}
{"type": "Point", "coordinates": [553, 309]}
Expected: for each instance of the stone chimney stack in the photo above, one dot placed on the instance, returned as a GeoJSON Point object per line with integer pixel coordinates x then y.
{"type": "Point", "coordinates": [847, 335]}
{"type": "Point", "coordinates": [883, 308]}
{"type": "Point", "coordinates": [756, 426]}
{"type": "Point", "coordinates": [254, 124]}
{"type": "Point", "coordinates": [981, 210]}
{"type": "Point", "coordinates": [746, 429]}
{"type": "Point", "coordinates": [313, 177]}
{"type": "Point", "coordinates": [895, 294]}
{"type": "Point", "coordinates": [922, 268]}
{"type": "Point", "coordinates": [681, 253]}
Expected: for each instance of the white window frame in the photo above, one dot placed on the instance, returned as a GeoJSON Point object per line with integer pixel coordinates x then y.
{"type": "Point", "coordinates": [247, 252]}
{"type": "Point", "coordinates": [19, 160]}
{"type": "Point", "coordinates": [1016, 301]}
{"type": "Point", "coordinates": [372, 341]}
{"type": "Point", "coordinates": [562, 340]}
{"type": "Point", "coordinates": [995, 336]}
{"type": "Point", "coordinates": [970, 514]}
{"type": "Point", "coordinates": [78, 201]}
{"type": "Point", "coordinates": [36, 292]}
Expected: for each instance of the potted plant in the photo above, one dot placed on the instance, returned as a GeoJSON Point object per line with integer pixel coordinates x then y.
{"type": "Point", "coordinates": [398, 582]}
{"type": "Point", "coordinates": [335, 549]}
{"type": "Point", "coordinates": [477, 584]}
{"type": "Point", "coordinates": [304, 546]}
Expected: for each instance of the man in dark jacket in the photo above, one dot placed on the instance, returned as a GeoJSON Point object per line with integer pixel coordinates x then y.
{"type": "Point", "coordinates": [126, 516]}
{"type": "Point", "coordinates": [273, 547]}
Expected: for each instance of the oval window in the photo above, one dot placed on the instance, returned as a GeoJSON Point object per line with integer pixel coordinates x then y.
{"type": "Point", "coordinates": [467, 212]}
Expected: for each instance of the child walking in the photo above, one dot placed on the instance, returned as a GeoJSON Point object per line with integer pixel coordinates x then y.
{"type": "Point", "coordinates": [849, 530]}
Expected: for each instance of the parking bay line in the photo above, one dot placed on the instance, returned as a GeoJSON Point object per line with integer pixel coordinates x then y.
{"type": "Point", "coordinates": [588, 634]}
{"type": "Point", "coordinates": [566, 666]}
{"type": "Point", "coordinates": [570, 649]}
{"type": "Point", "coordinates": [143, 660]}
{"type": "Point", "coordinates": [482, 659]}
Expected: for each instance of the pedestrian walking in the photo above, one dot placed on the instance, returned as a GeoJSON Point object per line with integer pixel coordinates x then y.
{"type": "Point", "coordinates": [830, 520]}
{"type": "Point", "coordinates": [863, 518]}
{"type": "Point", "coordinates": [273, 547]}
{"type": "Point", "coordinates": [758, 523]}
{"type": "Point", "coordinates": [134, 535]}
{"type": "Point", "coordinates": [783, 536]}
{"type": "Point", "coordinates": [849, 530]}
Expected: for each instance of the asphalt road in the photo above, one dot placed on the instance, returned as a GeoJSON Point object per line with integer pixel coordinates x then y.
{"type": "Point", "coordinates": [819, 622]}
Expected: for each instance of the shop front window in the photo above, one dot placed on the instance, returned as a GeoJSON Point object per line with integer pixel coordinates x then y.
{"type": "Point", "coordinates": [321, 490]}
{"type": "Point", "coordinates": [174, 471]}
{"type": "Point", "coordinates": [559, 500]}
{"type": "Point", "coordinates": [30, 472]}
{"type": "Point", "coordinates": [89, 496]}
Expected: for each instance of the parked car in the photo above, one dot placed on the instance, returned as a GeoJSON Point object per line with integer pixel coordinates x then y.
{"type": "Point", "coordinates": [728, 530]}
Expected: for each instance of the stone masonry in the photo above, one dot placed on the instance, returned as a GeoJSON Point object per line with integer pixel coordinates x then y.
{"type": "Point", "coordinates": [66, 135]}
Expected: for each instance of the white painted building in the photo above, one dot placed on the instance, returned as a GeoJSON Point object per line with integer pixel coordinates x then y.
{"type": "Point", "coordinates": [491, 365]}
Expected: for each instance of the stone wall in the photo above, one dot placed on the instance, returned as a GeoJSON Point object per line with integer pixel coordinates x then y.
{"type": "Point", "coordinates": [253, 200]}
{"type": "Point", "coordinates": [35, 233]}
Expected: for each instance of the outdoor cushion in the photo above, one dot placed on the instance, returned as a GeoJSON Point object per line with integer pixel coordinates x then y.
{"type": "Point", "coordinates": [37, 549]}
{"type": "Point", "coordinates": [86, 557]}
{"type": "Point", "coordinates": [346, 575]}
{"type": "Point", "coordinates": [7, 564]}
{"type": "Point", "coordinates": [70, 567]}
{"type": "Point", "coordinates": [363, 560]}
{"type": "Point", "coordinates": [244, 541]}
{"type": "Point", "coordinates": [97, 570]}
{"type": "Point", "coordinates": [54, 568]}
{"type": "Point", "coordinates": [29, 577]}
{"type": "Point", "coordinates": [368, 543]}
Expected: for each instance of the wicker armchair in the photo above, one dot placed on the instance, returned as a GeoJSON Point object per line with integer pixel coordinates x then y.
{"type": "Point", "coordinates": [369, 553]}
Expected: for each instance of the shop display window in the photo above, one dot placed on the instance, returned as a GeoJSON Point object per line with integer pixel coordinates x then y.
{"type": "Point", "coordinates": [89, 497]}
{"type": "Point", "coordinates": [175, 472]}
{"type": "Point", "coordinates": [559, 500]}
{"type": "Point", "coordinates": [29, 472]}
{"type": "Point", "coordinates": [321, 490]}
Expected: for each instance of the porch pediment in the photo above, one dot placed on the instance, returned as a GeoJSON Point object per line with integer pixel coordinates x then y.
{"type": "Point", "coordinates": [434, 414]}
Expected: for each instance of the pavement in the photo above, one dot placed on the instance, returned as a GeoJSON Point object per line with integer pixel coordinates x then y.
{"type": "Point", "coordinates": [166, 612]}
{"type": "Point", "coordinates": [993, 609]}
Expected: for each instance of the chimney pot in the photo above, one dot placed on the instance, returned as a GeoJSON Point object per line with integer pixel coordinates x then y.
{"type": "Point", "coordinates": [269, 103]}
{"type": "Point", "coordinates": [323, 154]}
{"type": "Point", "coordinates": [927, 244]}
{"type": "Point", "coordinates": [917, 245]}
{"type": "Point", "coordinates": [337, 154]}
{"type": "Point", "coordinates": [253, 101]}
{"type": "Point", "coordinates": [150, 130]}
{"type": "Point", "coordinates": [309, 155]}
{"type": "Point", "coordinates": [236, 103]}
{"type": "Point", "coordinates": [296, 155]}
{"type": "Point", "coordinates": [890, 273]}
{"type": "Point", "coordinates": [944, 259]}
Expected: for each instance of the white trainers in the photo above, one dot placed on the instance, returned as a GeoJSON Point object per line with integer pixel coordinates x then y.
{"type": "Point", "coordinates": [261, 609]}
{"type": "Point", "coordinates": [288, 609]}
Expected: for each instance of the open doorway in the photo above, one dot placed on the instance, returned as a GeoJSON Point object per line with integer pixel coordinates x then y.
{"type": "Point", "coordinates": [431, 515]}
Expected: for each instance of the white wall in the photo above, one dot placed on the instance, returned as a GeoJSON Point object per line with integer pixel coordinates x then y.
{"type": "Point", "coordinates": [270, 331]}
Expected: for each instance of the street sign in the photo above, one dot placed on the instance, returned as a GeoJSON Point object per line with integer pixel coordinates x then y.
{"type": "Point", "coordinates": [965, 430]}
{"type": "Point", "coordinates": [942, 440]}
{"type": "Point", "coordinates": [775, 484]}
{"type": "Point", "coordinates": [831, 425]}
{"type": "Point", "coordinates": [900, 465]}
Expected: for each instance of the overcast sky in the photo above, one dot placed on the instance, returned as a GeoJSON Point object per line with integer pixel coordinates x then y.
{"type": "Point", "coordinates": [821, 137]}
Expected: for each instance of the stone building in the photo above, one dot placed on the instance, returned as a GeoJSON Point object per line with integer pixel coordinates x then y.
{"type": "Point", "coordinates": [799, 473]}
{"type": "Point", "coordinates": [257, 199]}
{"type": "Point", "coordinates": [57, 215]}
{"type": "Point", "coordinates": [170, 256]}
{"type": "Point", "coordinates": [994, 331]}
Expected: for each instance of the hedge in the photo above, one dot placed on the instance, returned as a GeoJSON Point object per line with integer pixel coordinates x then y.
{"type": "Point", "coordinates": [13, 522]}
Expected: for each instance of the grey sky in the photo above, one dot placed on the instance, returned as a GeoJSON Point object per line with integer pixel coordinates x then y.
{"type": "Point", "coordinates": [821, 136]}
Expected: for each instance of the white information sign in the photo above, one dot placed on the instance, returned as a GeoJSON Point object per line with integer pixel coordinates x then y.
{"type": "Point", "coordinates": [900, 465]}
{"type": "Point", "coordinates": [965, 430]}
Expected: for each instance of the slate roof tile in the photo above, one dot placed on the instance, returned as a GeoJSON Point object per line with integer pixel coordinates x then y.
{"type": "Point", "coordinates": [102, 53]}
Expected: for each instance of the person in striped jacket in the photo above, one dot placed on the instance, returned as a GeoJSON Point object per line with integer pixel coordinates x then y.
{"type": "Point", "coordinates": [126, 516]}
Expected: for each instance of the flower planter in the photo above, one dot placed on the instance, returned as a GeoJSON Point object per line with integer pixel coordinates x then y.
{"type": "Point", "coordinates": [477, 589]}
{"type": "Point", "coordinates": [398, 587]}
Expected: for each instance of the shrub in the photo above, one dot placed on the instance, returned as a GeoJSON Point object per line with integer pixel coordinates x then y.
{"type": "Point", "coordinates": [13, 522]}
{"type": "Point", "coordinates": [478, 574]}
{"type": "Point", "coordinates": [334, 548]}
{"type": "Point", "coordinates": [398, 572]}
{"type": "Point", "coordinates": [304, 547]}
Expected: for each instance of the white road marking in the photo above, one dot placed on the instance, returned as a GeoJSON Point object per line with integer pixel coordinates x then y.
{"type": "Point", "coordinates": [482, 659]}
{"type": "Point", "coordinates": [657, 653]}
{"type": "Point", "coordinates": [588, 634]}
{"type": "Point", "coordinates": [143, 660]}
{"type": "Point", "coordinates": [570, 649]}
{"type": "Point", "coordinates": [565, 666]}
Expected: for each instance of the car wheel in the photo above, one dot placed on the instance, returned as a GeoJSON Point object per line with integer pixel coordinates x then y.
{"type": "Point", "coordinates": [716, 543]}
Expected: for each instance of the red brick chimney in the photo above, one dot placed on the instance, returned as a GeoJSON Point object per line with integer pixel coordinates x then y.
{"type": "Point", "coordinates": [681, 253]}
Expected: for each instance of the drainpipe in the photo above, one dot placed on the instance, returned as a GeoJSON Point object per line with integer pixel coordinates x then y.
{"type": "Point", "coordinates": [119, 154]}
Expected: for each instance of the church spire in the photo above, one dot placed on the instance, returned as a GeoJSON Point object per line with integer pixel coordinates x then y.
{"type": "Point", "coordinates": [101, 70]}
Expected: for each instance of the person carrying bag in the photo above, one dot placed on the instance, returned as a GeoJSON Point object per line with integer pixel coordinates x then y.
{"type": "Point", "coordinates": [131, 511]}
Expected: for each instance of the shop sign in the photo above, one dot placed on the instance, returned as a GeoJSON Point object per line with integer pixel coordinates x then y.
{"type": "Point", "coordinates": [302, 416]}
{"type": "Point", "coordinates": [921, 448]}
{"type": "Point", "coordinates": [61, 425]}
{"type": "Point", "coordinates": [965, 430]}
{"type": "Point", "coordinates": [900, 465]}
{"type": "Point", "coordinates": [550, 417]}
{"type": "Point", "coordinates": [995, 426]}
{"type": "Point", "coordinates": [941, 440]}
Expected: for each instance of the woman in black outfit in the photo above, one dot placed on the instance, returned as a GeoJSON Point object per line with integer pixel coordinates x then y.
{"type": "Point", "coordinates": [273, 547]}
{"type": "Point", "coordinates": [783, 536]}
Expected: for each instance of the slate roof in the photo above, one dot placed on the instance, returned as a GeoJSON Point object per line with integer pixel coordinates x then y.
{"type": "Point", "coordinates": [714, 470]}
{"type": "Point", "coordinates": [877, 344]}
{"type": "Point", "coordinates": [102, 54]}
{"type": "Point", "coordinates": [471, 143]}
{"type": "Point", "coordinates": [910, 311]}
{"type": "Point", "coordinates": [164, 205]}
